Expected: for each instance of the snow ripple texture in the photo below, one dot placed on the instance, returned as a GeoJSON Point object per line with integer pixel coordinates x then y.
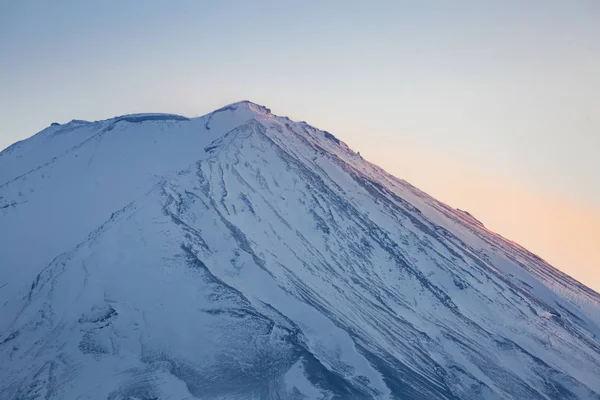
{"type": "Point", "coordinates": [242, 255]}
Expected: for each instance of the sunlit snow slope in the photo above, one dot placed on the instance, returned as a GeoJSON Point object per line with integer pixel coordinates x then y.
{"type": "Point", "coordinates": [244, 255]}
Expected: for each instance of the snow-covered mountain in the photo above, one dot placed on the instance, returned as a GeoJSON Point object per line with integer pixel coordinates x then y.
{"type": "Point", "coordinates": [244, 255]}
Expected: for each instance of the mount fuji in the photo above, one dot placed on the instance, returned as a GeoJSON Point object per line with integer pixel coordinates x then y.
{"type": "Point", "coordinates": [243, 255]}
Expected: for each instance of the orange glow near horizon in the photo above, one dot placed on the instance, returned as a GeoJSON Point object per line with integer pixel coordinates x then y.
{"type": "Point", "coordinates": [563, 231]}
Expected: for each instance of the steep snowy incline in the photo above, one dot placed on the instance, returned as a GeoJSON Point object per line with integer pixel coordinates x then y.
{"type": "Point", "coordinates": [65, 181]}
{"type": "Point", "coordinates": [244, 255]}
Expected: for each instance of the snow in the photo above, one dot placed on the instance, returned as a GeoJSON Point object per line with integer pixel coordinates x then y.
{"type": "Point", "coordinates": [244, 255]}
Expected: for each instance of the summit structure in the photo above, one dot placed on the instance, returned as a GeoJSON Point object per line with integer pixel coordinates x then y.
{"type": "Point", "coordinates": [242, 255]}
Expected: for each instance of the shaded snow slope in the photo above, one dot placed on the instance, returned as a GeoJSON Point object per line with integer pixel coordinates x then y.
{"type": "Point", "coordinates": [244, 255]}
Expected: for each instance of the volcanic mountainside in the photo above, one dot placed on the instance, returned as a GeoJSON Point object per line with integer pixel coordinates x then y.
{"type": "Point", "coordinates": [242, 255]}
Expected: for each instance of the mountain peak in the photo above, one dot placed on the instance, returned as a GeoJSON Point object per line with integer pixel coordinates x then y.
{"type": "Point", "coordinates": [244, 255]}
{"type": "Point", "coordinates": [232, 115]}
{"type": "Point", "coordinates": [247, 105]}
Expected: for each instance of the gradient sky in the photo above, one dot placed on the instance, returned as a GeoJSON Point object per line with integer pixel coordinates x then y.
{"type": "Point", "coordinates": [490, 106]}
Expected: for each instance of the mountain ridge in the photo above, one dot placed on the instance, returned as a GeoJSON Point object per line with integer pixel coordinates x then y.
{"type": "Point", "coordinates": [308, 270]}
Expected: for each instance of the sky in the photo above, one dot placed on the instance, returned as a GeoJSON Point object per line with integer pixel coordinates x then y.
{"type": "Point", "coordinates": [492, 107]}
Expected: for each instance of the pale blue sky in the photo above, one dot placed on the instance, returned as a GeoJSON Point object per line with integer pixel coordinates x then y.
{"type": "Point", "coordinates": [505, 88]}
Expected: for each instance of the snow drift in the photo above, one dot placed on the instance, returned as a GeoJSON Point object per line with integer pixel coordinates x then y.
{"type": "Point", "coordinates": [244, 255]}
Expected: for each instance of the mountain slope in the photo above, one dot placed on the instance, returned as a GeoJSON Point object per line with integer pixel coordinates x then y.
{"type": "Point", "coordinates": [244, 255]}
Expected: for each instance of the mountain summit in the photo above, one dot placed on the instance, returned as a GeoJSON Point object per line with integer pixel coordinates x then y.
{"type": "Point", "coordinates": [242, 255]}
